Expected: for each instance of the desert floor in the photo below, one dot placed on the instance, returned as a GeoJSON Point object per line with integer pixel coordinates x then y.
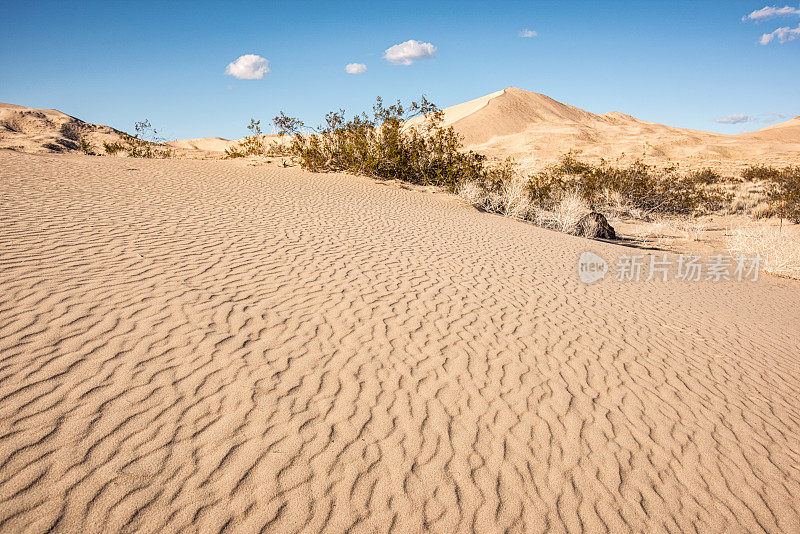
{"type": "Point", "coordinates": [205, 345]}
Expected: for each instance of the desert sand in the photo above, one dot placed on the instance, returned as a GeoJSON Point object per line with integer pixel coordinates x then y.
{"type": "Point", "coordinates": [210, 346]}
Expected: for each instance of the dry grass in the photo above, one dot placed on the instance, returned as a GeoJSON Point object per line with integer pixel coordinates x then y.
{"type": "Point", "coordinates": [510, 199]}
{"type": "Point", "coordinates": [779, 247]}
{"type": "Point", "coordinates": [565, 214]}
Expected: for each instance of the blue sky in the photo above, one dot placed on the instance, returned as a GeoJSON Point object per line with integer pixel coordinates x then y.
{"type": "Point", "coordinates": [678, 63]}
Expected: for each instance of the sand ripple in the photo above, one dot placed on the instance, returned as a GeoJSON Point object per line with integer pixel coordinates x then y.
{"type": "Point", "coordinates": [207, 346]}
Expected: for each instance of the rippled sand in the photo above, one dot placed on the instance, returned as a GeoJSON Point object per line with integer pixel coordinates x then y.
{"type": "Point", "coordinates": [202, 345]}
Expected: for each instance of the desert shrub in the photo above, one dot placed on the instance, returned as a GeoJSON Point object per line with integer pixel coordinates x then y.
{"type": "Point", "coordinates": [12, 125]}
{"type": "Point", "coordinates": [71, 130]}
{"type": "Point", "coordinates": [756, 173]}
{"type": "Point", "coordinates": [87, 147]}
{"type": "Point", "coordinates": [252, 145]}
{"type": "Point", "coordinates": [382, 145]}
{"type": "Point", "coordinates": [68, 144]}
{"type": "Point", "coordinates": [564, 214]}
{"type": "Point", "coordinates": [778, 247]}
{"type": "Point", "coordinates": [783, 193]}
{"type": "Point", "coordinates": [637, 186]}
{"type": "Point", "coordinates": [113, 148]}
{"type": "Point", "coordinates": [53, 147]}
{"type": "Point", "coordinates": [781, 188]}
{"type": "Point", "coordinates": [145, 143]}
{"type": "Point", "coordinates": [706, 176]}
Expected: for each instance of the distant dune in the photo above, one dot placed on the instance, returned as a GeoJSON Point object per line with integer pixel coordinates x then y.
{"type": "Point", "coordinates": [534, 127]}
{"type": "Point", "coordinates": [210, 144]}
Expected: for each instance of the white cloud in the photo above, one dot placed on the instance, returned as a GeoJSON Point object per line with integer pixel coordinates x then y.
{"type": "Point", "coordinates": [528, 33]}
{"type": "Point", "coordinates": [408, 52]}
{"type": "Point", "coordinates": [740, 118]}
{"type": "Point", "coordinates": [736, 118]}
{"type": "Point", "coordinates": [770, 12]}
{"type": "Point", "coordinates": [355, 68]}
{"type": "Point", "coordinates": [784, 35]}
{"type": "Point", "coordinates": [248, 67]}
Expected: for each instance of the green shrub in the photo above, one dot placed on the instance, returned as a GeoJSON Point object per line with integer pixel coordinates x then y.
{"type": "Point", "coordinates": [382, 145]}
{"type": "Point", "coordinates": [640, 186]}
{"type": "Point", "coordinates": [87, 147]}
{"type": "Point", "coordinates": [113, 148]}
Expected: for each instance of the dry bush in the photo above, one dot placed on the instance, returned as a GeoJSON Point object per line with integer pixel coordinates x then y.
{"type": "Point", "coordinates": [757, 173]}
{"type": "Point", "coordinates": [508, 197]}
{"type": "Point", "coordinates": [253, 144]}
{"type": "Point", "coordinates": [475, 194]}
{"type": "Point", "coordinates": [779, 247]}
{"type": "Point", "coordinates": [706, 176]}
{"type": "Point", "coordinates": [637, 187]}
{"type": "Point", "coordinates": [781, 188]}
{"type": "Point", "coordinates": [145, 143]}
{"type": "Point", "coordinates": [565, 214]}
{"type": "Point", "coordinates": [691, 229]}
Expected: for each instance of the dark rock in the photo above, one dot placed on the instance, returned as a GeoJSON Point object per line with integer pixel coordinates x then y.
{"type": "Point", "coordinates": [595, 225]}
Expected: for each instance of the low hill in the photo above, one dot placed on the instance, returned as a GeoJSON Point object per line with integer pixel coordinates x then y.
{"type": "Point", "coordinates": [49, 130]}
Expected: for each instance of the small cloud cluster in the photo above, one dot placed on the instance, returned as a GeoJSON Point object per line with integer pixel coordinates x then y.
{"type": "Point", "coordinates": [770, 12]}
{"type": "Point", "coordinates": [248, 67]}
{"type": "Point", "coordinates": [736, 118]}
{"type": "Point", "coordinates": [254, 67]}
{"type": "Point", "coordinates": [408, 52]}
{"type": "Point", "coordinates": [784, 34]}
{"type": "Point", "coordinates": [741, 118]}
{"type": "Point", "coordinates": [527, 34]}
{"type": "Point", "coordinates": [355, 68]}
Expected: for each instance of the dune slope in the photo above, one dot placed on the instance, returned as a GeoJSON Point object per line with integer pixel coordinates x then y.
{"type": "Point", "coordinates": [211, 346]}
{"type": "Point", "coordinates": [49, 130]}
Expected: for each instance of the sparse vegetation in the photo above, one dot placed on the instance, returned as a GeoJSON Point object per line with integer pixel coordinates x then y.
{"type": "Point", "coordinates": [706, 176]}
{"type": "Point", "coordinates": [784, 194]}
{"type": "Point", "coordinates": [781, 188]}
{"type": "Point", "coordinates": [71, 130]}
{"type": "Point", "coordinates": [113, 148]}
{"type": "Point", "coordinates": [779, 247]}
{"type": "Point", "coordinates": [756, 173]}
{"type": "Point", "coordinates": [145, 143]}
{"type": "Point", "coordinates": [252, 145]}
{"type": "Point", "coordinates": [87, 147]}
{"type": "Point", "coordinates": [558, 196]}
{"type": "Point", "coordinates": [382, 145]}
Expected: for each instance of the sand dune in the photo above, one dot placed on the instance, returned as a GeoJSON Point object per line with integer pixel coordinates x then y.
{"type": "Point", "coordinates": [209, 144]}
{"type": "Point", "coordinates": [538, 130]}
{"type": "Point", "coordinates": [48, 130]}
{"type": "Point", "coordinates": [788, 132]}
{"type": "Point", "coordinates": [211, 346]}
